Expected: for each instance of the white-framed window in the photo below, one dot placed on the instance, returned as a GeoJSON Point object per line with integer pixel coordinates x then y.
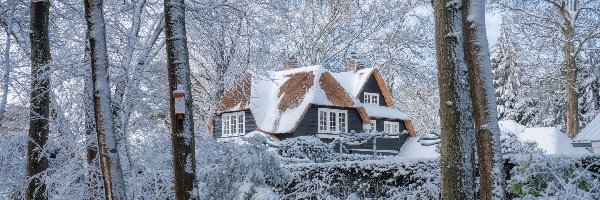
{"type": "Point", "coordinates": [372, 98]}
{"type": "Point", "coordinates": [332, 120]}
{"type": "Point", "coordinates": [233, 124]}
{"type": "Point", "coordinates": [391, 127]}
{"type": "Point", "coordinates": [374, 125]}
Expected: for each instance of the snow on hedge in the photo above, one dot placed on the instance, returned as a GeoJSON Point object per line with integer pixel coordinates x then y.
{"type": "Point", "coordinates": [389, 178]}
{"type": "Point", "coordinates": [529, 176]}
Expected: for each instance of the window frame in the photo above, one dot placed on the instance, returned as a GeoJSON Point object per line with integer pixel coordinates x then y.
{"type": "Point", "coordinates": [373, 125]}
{"type": "Point", "coordinates": [391, 127]}
{"type": "Point", "coordinates": [233, 124]}
{"type": "Point", "coordinates": [331, 120]}
{"type": "Point", "coordinates": [371, 98]}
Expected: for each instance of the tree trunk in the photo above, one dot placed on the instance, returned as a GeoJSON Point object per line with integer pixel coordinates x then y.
{"type": "Point", "coordinates": [483, 97]}
{"type": "Point", "coordinates": [112, 173]}
{"type": "Point", "coordinates": [37, 161]}
{"type": "Point", "coordinates": [7, 68]}
{"type": "Point", "coordinates": [182, 126]}
{"type": "Point", "coordinates": [457, 134]}
{"type": "Point", "coordinates": [93, 167]}
{"type": "Point", "coordinates": [571, 77]}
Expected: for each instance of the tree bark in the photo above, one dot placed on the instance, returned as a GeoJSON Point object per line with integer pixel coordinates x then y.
{"type": "Point", "coordinates": [182, 126]}
{"type": "Point", "coordinates": [457, 134]}
{"type": "Point", "coordinates": [483, 99]}
{"type": "Point", "coordinates": [571, 77]}
{"type": "Point", "coordinates": [112, 173]}
{"type": "Point", "coordinates": [37, 161]}
{"type": "Point", "coordinates": [93, 166]}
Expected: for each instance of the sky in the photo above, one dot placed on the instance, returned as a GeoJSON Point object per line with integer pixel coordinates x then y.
{"type": "Point", "coordinates": [492, 23]}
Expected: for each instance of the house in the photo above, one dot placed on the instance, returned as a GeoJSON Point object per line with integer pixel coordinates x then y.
{"type": "Point", "coordinates": [589, 137]}
{"type": "Point", "coordinates": [312, 101]}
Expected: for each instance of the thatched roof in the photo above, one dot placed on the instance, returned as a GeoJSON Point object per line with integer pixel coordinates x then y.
{"type": "Point", "coordinates": [279, 100]}
{"type": "Point", "coordinates": [237, 97]}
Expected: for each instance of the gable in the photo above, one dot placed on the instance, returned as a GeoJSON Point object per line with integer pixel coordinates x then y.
{"type": "Point", "coordinates": [355, 82]}
{"type": "Point", "coordinates": [383, 88]}
{"type": "Point", "coordinates": [237, 97]}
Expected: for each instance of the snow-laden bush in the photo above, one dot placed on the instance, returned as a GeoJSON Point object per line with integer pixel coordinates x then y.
{"type": "Point", "coordinates": [511, 145]}
{"type": "Point", "coordinates": [230, 170]}
{"type": "Point", "coordinates": [557, 177]}
{"type": "Point", "coordinates": [377, 179]}
{"type": "Point", "coordinates": [306, 148]}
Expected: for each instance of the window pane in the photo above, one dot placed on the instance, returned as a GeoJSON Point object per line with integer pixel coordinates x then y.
{"type": "Point", "coordinates": [342, 120]}
{"type": "Point", "coordinates": [373, 123]}
{"type": "Point", "coordinates": [226, 127]}
{"type": "Point", "coordinates": [233, 124]}
{"type": "Point", "coordinates": [240, 124]}
{"type": "Point", "coordinates": [332, 122]}
{"type": "Point", "coordinates": [386, 127]}
{"type": "Point", "coordinates": [322, 120]}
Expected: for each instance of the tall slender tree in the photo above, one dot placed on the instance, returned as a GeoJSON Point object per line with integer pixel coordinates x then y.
{"type": "Point", "coordinates": [457, 134]}
{"type": "Point", "coordinates": [182, 126]}
{"type": "Point", "coordinates": [570, 25]}
{"type": "Point", "coordinates": [39, 113]}
{"type": "Point", "coordinates": [483, 97]}
{"type": "Point", "coordinates": [7, 67]}
{"type": "Point", "coordinates": [93, 166]}
{"type": "Point", "coordinates": [112, 173]}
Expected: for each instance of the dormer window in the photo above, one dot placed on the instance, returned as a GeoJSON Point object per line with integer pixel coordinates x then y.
{"type": "Point", "coordinates": [234, 124]}
{"type": "Point", "coordinates": [371, 98]}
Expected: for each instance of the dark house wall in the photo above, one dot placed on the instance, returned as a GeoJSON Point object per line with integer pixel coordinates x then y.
{"type": "Point", "coordinates": [371, 86]}
{"type": "Point", "coordinates": [379, 123]}
{"type": "Point", "coordinates": [250, 123]}
{"type": "Point", "coordinates": [309, 124]}
{"type": "Point", "coordinates": [387, 144]}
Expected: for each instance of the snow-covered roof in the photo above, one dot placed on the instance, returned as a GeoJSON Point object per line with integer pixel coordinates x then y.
{"type": "Point", "coordinates": [352, 81]}
{"type": "Point", "coordinates": [590, 133]}
{"type": "Point", "coordinates": [384, 112]}
{"type": "Point", "coordinates": [279, 100]}
{"type": "Point", "coordinates": [511, 126]}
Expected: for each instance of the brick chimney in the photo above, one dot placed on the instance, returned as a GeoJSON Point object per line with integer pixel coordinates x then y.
{"type": "Point", "coordinates": [354, 63]}
{"type": "Point", "coordinates": [289, 63]}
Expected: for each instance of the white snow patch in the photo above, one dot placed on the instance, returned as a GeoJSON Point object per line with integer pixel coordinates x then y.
{"type": "Point", "coordinates": [413, 149]}
{"type": "Point", "coordinates": [551, 140]}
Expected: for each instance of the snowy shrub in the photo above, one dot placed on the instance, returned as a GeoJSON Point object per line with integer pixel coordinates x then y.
{"type": "Point", "coordinates": [390, 178]}
{"type": "Point", "coordinates": [510, 144]}
{"type": "Point", "coordinates": [558, 177]}
{"type": "Point", "coordinates": [306, 148]}
{"type": "Point", "coordinates": [229, 170]}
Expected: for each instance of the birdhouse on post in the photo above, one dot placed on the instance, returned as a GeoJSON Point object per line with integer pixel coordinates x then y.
{"type": "Point", "coordinates": [179, 96]}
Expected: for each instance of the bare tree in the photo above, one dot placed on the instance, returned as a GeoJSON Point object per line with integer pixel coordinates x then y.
{"type": "Point", "coordinates": [483, 97]}
{"type": "Point", "coordinates": [112, 173]}
{"type": "Point", "coordinates": [570, 24]}
{"type": "Point", "coordinates": [457, 134]}
{"type": "Point", "coordinates": [37, 160]}
{"type": "Point", "coordinates": [182, 126]}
